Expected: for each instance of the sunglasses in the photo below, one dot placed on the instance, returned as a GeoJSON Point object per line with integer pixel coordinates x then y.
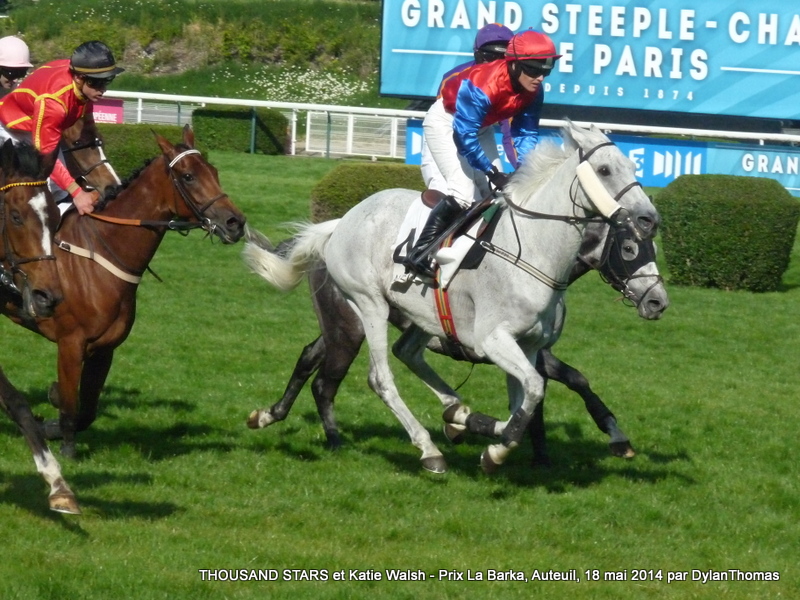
{"type": "Point", "coordinates": [13, 74]}
{"type": "Point", "coordinates": [97, 83]}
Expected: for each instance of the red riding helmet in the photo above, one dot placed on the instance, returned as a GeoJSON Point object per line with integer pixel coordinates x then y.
{"type": "Point", "coordinates": [533, 51]}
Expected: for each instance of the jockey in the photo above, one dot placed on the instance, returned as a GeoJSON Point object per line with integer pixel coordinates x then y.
{"type": "Point", "coordinates": [490, 44]}
{"type": "Point", "coordinates": [15, 60]}
{"type": "Point", "coordinates": [51, 100]}
{"type": "Point", "coordinates": [459, 133]}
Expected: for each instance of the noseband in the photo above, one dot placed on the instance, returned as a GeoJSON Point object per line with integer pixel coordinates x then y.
{"type": "Point", "coordinates": [14, 262]}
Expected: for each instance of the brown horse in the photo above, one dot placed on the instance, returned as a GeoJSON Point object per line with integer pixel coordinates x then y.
{"type": "Point", "coordinates": [101, 259]}
{"type": "Point", "coordinates": [28, 279]}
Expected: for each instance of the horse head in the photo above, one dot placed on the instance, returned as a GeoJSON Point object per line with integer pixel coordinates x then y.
{"type": "Point", "coordinates": [609, 181]}
{"type": "Point", "coordinates": [82, 148]}
{"type": "Point", "coordinates": [627, 265]}
{"type": "Point", "coordinates": [197, 184]}
{"type": "Point", "coordinates": [29, 218]}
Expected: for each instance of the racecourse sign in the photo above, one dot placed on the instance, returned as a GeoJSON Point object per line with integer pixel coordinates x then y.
{"type": "Point", "coordinates": [713, 57]}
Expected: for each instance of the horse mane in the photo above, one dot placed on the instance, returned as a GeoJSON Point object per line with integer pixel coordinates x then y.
{"type": "Point", "coordinates": [30, 160]}
{"type": "Point", "coordinates": [111, 193]}
{"type": "Point", "coordinates": [537, 168]}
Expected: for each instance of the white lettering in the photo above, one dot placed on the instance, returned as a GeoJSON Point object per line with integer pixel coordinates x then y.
{"type": "Point", "coordinates": [687, 25]}
{"type": "Point", "coordinates": [486, 14]}
{"type": "Point", "coordinates": [602, 57]}
{"type": "Point", "coordinates": [595, 20]}
{"type": "Point", "coordinates": [767, 29]}
{"type": "Point", "coordinates": [793, 37]}
{"type": "Point", "coordinates": [512, 16]}
{"type": "Point", "coordinates": [573, 10]}
{"type": "Point", "coordinates": [565, 49]}
{"type": "Point", "coordinates": [436, 13]}
{"type": "Point", "coordinates": [550, 18]}
{"type": "Point", "coordinates": [641, 20]}
{"type": "Point", "coordinates": [699, 60]}
{"type": "Point", "coordinates": [460, 18]}
{"type": "Point", "coordinates": [738, 36]}
{"type": "Point", "coordinates": [617, 21]}
{"type": "Point", "coordinates": [663, 32]}
{"type": "Point", "coordinates": [626, 65]}
{"type": "Point", "coordinates": [652, 61]}
{"type": "Point", "coordinates": [409, 13]}
{"type": "Point", "coordinates": [747, 162]}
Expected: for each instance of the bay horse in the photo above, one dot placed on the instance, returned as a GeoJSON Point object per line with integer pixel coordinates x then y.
{"type": "Point", "coordinates": [625, 264]}
{"type": "Point", "coordinates": [101, 258]}
{"type": "Point", "coordinates": [28, 278]}
{"type": "Point", "coordinates": [507, 309]}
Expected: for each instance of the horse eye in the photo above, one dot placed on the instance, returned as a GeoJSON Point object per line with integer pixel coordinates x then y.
{"type": "Point", "coordinates": [187, 177]}
{"type": "Point", "coordinates": [17, 219]}
{"type": "Point", "coordinates": [630, 250]}
{"type": "Point", "coordinates": [604, 171]}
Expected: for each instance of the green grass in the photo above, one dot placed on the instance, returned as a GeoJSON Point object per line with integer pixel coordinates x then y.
{"type": "Point", "coordinates": [172, 482]}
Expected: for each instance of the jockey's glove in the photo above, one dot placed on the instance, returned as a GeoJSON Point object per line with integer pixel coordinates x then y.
{"type": "Point", "coordinates": [621, 219]}
{"type": "Point", "coordinates": [497, 179]}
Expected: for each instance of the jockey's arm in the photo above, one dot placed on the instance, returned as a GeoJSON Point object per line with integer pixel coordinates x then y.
{"type": "Point", "coordinates": [525, 127]}
{"type": "Point", "coordinates": [472, 106]}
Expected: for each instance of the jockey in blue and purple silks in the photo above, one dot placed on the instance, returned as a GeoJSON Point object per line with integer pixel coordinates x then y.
{"type": "Point", "coordinates": [459, 133]}
{"type": "Point", "coordinates": [490, 44]}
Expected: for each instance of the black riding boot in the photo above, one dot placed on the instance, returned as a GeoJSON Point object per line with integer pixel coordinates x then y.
{"type": "Point", "coordinates": [418, 259]}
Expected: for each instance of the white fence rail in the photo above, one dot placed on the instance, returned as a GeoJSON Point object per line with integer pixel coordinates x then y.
{"type": "Point", "coordinates": [333, 130]}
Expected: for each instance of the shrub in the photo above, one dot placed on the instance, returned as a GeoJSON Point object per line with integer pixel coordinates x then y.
{"type": "Point", "coordinates": [349, 183]}
{"type": "Point", "coordinates": [230, 128]}
{"type": "Point", "coordinates": [728, 231]}
{"type": "Point", "coordinates": [127, 147]}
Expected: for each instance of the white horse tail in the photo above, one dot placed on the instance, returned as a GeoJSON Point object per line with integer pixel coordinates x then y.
{"type": "Point", "coordinates": [284, 267]}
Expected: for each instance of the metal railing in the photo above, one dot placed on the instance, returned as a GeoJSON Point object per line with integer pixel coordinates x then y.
{"type": "Point", "coordinates": [333, 130]}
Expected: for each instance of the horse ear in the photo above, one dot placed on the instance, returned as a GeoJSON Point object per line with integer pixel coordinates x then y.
{"type": "Point", "coordinates": [48, 163]}
{"type": "Point", "coordinates": [7, 154]}
{"type": "Point", "coordinates": [163, 143]}
{"type": "Point", "coordinates": [188, 136]}
{"type": "Point", "coordinates": [567, 133]}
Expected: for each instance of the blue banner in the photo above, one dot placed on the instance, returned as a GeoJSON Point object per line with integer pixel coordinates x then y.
{"type": "Point", "coordinates": [713, 57]}
{"type": "Point", "coordinates": [661, 161]}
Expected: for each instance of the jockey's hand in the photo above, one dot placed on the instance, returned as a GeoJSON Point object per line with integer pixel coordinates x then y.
{"type": "Point", "coordinates": [621, 219]}
{"type": "Point", "coordinates": [84, 201]}
{"type": "Point", "coordinates": [497, 179]}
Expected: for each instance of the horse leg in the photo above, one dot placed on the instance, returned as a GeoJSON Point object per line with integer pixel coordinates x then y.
{"type": "Point", "coordinates": [93, 378]}
{"type": "Point", "coordinates": [309, 361]}
{"type": "Point", "coordinates": [409, 349]}
{"type": "Point", "coordinates": [605, 420]}
{"type": "Point", "coordinates": [504, 351]}
{"type": "Point", "coordinates": [70, 366]}
{"type": "Point", "coordinates": [373, 317]}
{"type": "Point", "coordinates": [14, 404]}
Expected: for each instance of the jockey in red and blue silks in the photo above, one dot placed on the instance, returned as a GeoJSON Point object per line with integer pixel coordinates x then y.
{"type": "Point", "coordinates": [490, 44]}
{"type": "Point", "coordinates": [459, 133]}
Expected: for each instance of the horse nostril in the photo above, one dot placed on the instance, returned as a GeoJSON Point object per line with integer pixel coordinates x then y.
{"type": "Point", "coordinates": [44, 302]}
{"type": "Point", "coordinates": [647, 224]}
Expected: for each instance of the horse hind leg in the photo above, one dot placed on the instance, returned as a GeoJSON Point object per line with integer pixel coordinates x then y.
{"type": "Point", "coordinates": [557, 370]}
{"type": "Point", "coordinates": [61, 497]}
{"type": "Point", "coordinates": [307, 364]}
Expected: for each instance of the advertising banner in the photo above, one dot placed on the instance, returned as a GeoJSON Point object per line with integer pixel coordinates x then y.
{"type": "Point", "coordinates": [108, 110]}
{"type": "Point", "coordinates": [710, 57]}
{"type": "Point", "coordinates": [660, 161]}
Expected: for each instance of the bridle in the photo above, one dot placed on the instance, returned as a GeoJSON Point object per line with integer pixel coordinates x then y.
{"type": "Point", "coordinates": [82, 177]}
{"type": "Point", "coordinates": [10, 258]}
{"type": "Point", "coordinates": [615, 270]}
{"type": "Point", "coordinates": [571, 219]}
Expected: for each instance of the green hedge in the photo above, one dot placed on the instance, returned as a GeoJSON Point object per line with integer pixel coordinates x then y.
{"type": "Point", "coordinates": [727, 231]}
{"type": "Point", "coordinates": [127, 147]}
{"type": "Point", "coordinates": [349, 183]}
{"type": "Point", "coordinates": [230, 128]}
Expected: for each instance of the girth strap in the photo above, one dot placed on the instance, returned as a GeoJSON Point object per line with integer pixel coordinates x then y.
{"type": "Point", "coordinates": [100, 260]}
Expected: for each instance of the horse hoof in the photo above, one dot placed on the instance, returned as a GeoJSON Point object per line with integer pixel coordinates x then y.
{"type": "Point", "coordinates": [434, 464]}
{"type": "Point", "coordinates": [333, 443]}
{"type": "Point", "coordinates": [488, 465]}
{"type": "Point", "coordinates": [64, 503]}
{"type": "Point", "coordinates": [622, 449]}
{"type": "Point", "coordinates": [455, 433]}
{"type": "Point", "coordinates": [52, 395]}
{"type": "Point", "coordinates": [259, 419]}
{"type": "Point", "coordinates": [51, 430]}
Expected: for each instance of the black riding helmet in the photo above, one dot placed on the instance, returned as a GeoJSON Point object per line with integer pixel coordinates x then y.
{"type": "Point", "coordinates": [95, 60]}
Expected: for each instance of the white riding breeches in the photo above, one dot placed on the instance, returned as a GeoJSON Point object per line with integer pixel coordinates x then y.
{"type": "Point", "coordinates": [462, 182]}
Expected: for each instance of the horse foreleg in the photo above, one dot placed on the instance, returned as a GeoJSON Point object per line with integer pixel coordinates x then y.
{"type": "Point", "coordinates": [309, 361]}
{"type": "Point", "coordinates": [93, 379]}
{"type": "Point", "coordinates": [70, 366]}
{"type": "Point", "coordinates": [505, 352]}
{"type": "Point", "coordinates": [15, 406]}
{"type": "Point", "coordinates": [557, 370]}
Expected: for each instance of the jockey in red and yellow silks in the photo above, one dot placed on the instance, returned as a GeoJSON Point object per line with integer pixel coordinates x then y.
{"type": "Point", "coordinates": [51, 100]}
{"type": "Point", "coordinates": [46, 103]}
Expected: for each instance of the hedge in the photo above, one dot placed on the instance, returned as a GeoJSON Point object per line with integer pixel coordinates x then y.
{"type": "Point", "coordinates": [349, 183]}
{"type": "Point", "coordinates": [230, 128]}
{"type": "Point", "coordinates": [128, 146]}
{"type": "Point", "coordinates": [727, 231]}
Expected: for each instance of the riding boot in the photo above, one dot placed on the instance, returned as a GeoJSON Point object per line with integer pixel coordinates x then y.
{"type": "Point", "coordinates": [418, 259]}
